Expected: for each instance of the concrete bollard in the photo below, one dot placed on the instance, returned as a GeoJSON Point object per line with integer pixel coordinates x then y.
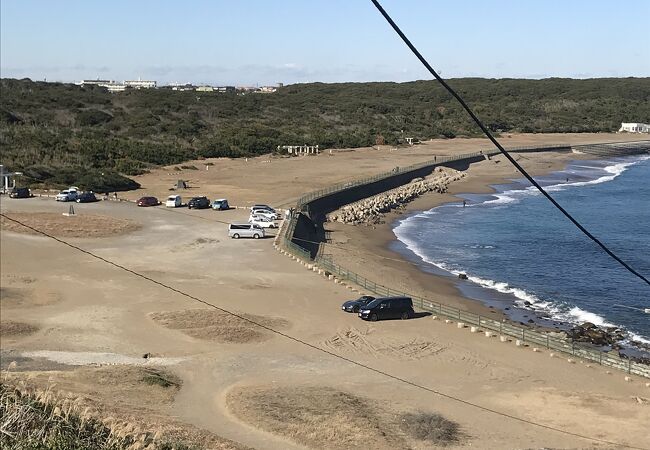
{"type": "Point", "coordinates": [434, 317]}
{"type": "Point", "coordinates": [503, 338]}
{"type": "Point", "coordinates": [316, 269]}
{"type": "Point", "coordinates": [448, 321]}
{"type": "Point", "coordinates": [330, 277]}
{"type": "Point", "coordinates": [608, 372]}
{"type": "Point", "coordinates": [628, 379]}
{"type": "Point", "coordinates": [460, 325]}
{"type": "Point", "coordinates": [310, 266]}
{"type": "Point", "coordinates": [519, 343]}
{"type": "Point", "coordinates": [552, 355]}
{"type": "Point", "coordinates": [647, 385]}
{"type": "Point", "coordinates": [571, 361]}
{"type": "Point", "coordinates": [488, 334]}
{"type": "Point", "coordinates": [473, 329]}
{"type": "Point", "coordinates": [535, 349]}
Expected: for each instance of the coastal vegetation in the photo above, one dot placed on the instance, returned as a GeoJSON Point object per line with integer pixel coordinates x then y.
{"type": "Point", "coordinates": [61, 134]}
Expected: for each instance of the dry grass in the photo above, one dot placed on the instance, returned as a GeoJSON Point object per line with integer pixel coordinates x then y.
{"type": "Point", "coordinates": [82, 225]}
{"type": "Point", "coordinates": [17, 329]}
{"type": "Point", "coordinates": [218, 326]}
{"type": "Point", "coordinates": [430, 427]}
{"type": "Point", "coordinates": [41, 419]}
{"type": "Point", "coordinates": [125, 410]}
{"type": "Point", "coordinates": [318, 417]}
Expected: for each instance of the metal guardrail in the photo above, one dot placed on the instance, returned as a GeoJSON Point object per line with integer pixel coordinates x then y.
{"type": "Point", "coordinates": [525, 335]}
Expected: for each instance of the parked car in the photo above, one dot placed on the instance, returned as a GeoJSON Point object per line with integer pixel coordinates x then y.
{"type": "Point", "coordinates": [20, 193]}
{"type": "Point", "coordinates": [264, 214]}
{"type": "Point", "coordinates": [67, 195]}
{"type": "Point", "coordinates": [388, 308]}
{"type": "Point", "coordinates": [220, 204]}
{"type": "Point", "coordinates": [259, 206]}
{"type": "Point", "coordinates": [198, 203]}
{"type": "Point", "coordinates": [174, 201]}
{"type": "Point", "coordinates": [271, 212]}
{"type": "Point", "coordinates": [86, 197]}
{"type": "Point", "coordinates": [237, 230]}
{"type": "Point", "coordinates": [261, 221]}
{"type": "Point", "coordinates": [148, 201]}
{"type": "Point", "coordinates": [355, 305]}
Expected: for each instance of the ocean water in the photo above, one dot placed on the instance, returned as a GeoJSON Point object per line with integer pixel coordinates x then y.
{"type": "Point", "coordinates": [515, 244]}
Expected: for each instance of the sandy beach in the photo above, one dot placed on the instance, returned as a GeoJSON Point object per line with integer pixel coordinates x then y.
{"type": "Point", "coordinates": [74, 323]}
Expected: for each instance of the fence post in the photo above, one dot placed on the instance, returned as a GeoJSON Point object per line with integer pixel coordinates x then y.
{"type": "Point", "coordinates": [547, 343]}
{"type": "Point", "coordinates": [523, 335]}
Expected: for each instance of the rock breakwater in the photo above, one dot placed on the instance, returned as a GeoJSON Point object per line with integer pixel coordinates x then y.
{"type": "Point", "coordinates": [371, 210]}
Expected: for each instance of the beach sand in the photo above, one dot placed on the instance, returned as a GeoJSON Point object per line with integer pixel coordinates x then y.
{"type": "Point", "coordinates": [62, 308]}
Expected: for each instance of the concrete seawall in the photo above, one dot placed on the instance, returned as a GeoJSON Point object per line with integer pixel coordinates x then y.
{"type": "Point", "coordinates": [309, 231]}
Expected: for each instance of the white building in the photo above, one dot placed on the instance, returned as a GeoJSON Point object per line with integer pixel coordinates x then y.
{"type": "Point", "coordinates": [140, 84]}
{"type": "Point", "coordinates": [96, 82]}
{"type": "Point", "coordinates": [635, 128]}
{"type": "Point", "coordinates": [114, 87]}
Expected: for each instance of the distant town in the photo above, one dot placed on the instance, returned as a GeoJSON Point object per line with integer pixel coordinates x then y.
{"type": "Point", "coordinates": [116, 86]}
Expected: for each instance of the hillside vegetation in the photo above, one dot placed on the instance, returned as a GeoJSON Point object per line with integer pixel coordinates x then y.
{"type": "Point", "coordinates": [60, 134]}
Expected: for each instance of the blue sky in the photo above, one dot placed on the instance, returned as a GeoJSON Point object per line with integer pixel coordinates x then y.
{"type": "Point", "coordinates": [248, 42]}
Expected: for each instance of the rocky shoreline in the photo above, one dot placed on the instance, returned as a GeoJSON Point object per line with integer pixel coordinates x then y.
{"type": "Point", "coordinates": [371, 210]}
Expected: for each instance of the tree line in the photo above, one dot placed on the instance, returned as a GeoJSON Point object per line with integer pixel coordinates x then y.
{"type": "Point", "coordinates": [60, 134]}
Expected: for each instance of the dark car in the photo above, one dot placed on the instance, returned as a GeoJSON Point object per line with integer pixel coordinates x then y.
{"type": "Point", "coordinates": [388, 308]}
{"type": "Point", "coordinates": [86, 197]}
{"type": "Point", "coordinates": [20, 193]}
{"type": "Point", "coordinates": [198, 203]}
{"type": "Point", "coordinates": [148, 201]}
{"type": "Point", "coordinates": [354, 305]}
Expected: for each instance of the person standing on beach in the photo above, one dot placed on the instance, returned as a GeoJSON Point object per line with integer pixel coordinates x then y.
{"type": "Point", "coordinates": [464, 203]}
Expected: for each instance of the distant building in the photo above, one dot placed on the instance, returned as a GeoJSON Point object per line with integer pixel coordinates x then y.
{"type": "Point", "coordinates": [110, 85]}
{"type": "Point", "coordinates": [225, 89]}
{"type": "Point", "coordinates": [204, 89]}
{"type": "Point", "coordinates": [635, 128]}
{"type": "Point", "coordinates": [266, 90]}
{"type": "Point", "coordinates": [114, 87]}
{"type": "Point", "coordinates": [96, 82]}
{"type": "Point", "coordinates": [140, 84]}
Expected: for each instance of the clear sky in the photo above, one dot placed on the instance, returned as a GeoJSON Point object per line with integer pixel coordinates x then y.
{"type": "Point", "coordinates": [248, 42]}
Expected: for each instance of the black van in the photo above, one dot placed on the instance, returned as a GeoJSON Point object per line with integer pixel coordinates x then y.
{"type": "Point", "coordinates": [21, 192]}
{"type": "Point", "coordinates": [388, 308]}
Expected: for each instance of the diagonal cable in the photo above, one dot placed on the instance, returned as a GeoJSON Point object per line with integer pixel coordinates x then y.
{"type": "Point", "coordinates": [501, 149]}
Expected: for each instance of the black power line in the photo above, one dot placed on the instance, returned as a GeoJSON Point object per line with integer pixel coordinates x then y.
{"type": "Point", "coordinates": [319, 349]}
{"type": "Point", "coordinates": [497, 145]}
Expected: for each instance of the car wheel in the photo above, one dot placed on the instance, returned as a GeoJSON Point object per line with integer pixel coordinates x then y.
{"type": "Point", "coordinates": [235, 236]}
{"type": "Point", "coordinates": [373, 317]}
{"type": "Point", "coordinates": [256, 236]}
{"type": "Point", "coordinates": [355, 309]}
{"type": "Point", "coordinates": [405, 315]}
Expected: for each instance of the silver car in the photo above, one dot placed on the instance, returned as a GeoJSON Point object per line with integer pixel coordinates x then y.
{"type": "Point", "coordinates": [237, 230]}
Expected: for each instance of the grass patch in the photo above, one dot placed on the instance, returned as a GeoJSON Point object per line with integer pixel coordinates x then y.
{"type": "Point", "coordinates": [41, 420]}
{"type": "Point", "coordinates": [430, 427]}
{"type": "Point", "coordinates": [156, 377]}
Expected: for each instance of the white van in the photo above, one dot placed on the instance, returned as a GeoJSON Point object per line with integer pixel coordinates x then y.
{"type": "Point", "coordinates": [237, 230]}
{"type": "Point", "coordinates": [174, 201]}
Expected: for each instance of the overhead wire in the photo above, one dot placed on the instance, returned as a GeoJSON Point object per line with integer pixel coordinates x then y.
{"type": "Point", "coordinates": [501, 149]}
{"type": "Point", "coordinates": [319, 349]}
